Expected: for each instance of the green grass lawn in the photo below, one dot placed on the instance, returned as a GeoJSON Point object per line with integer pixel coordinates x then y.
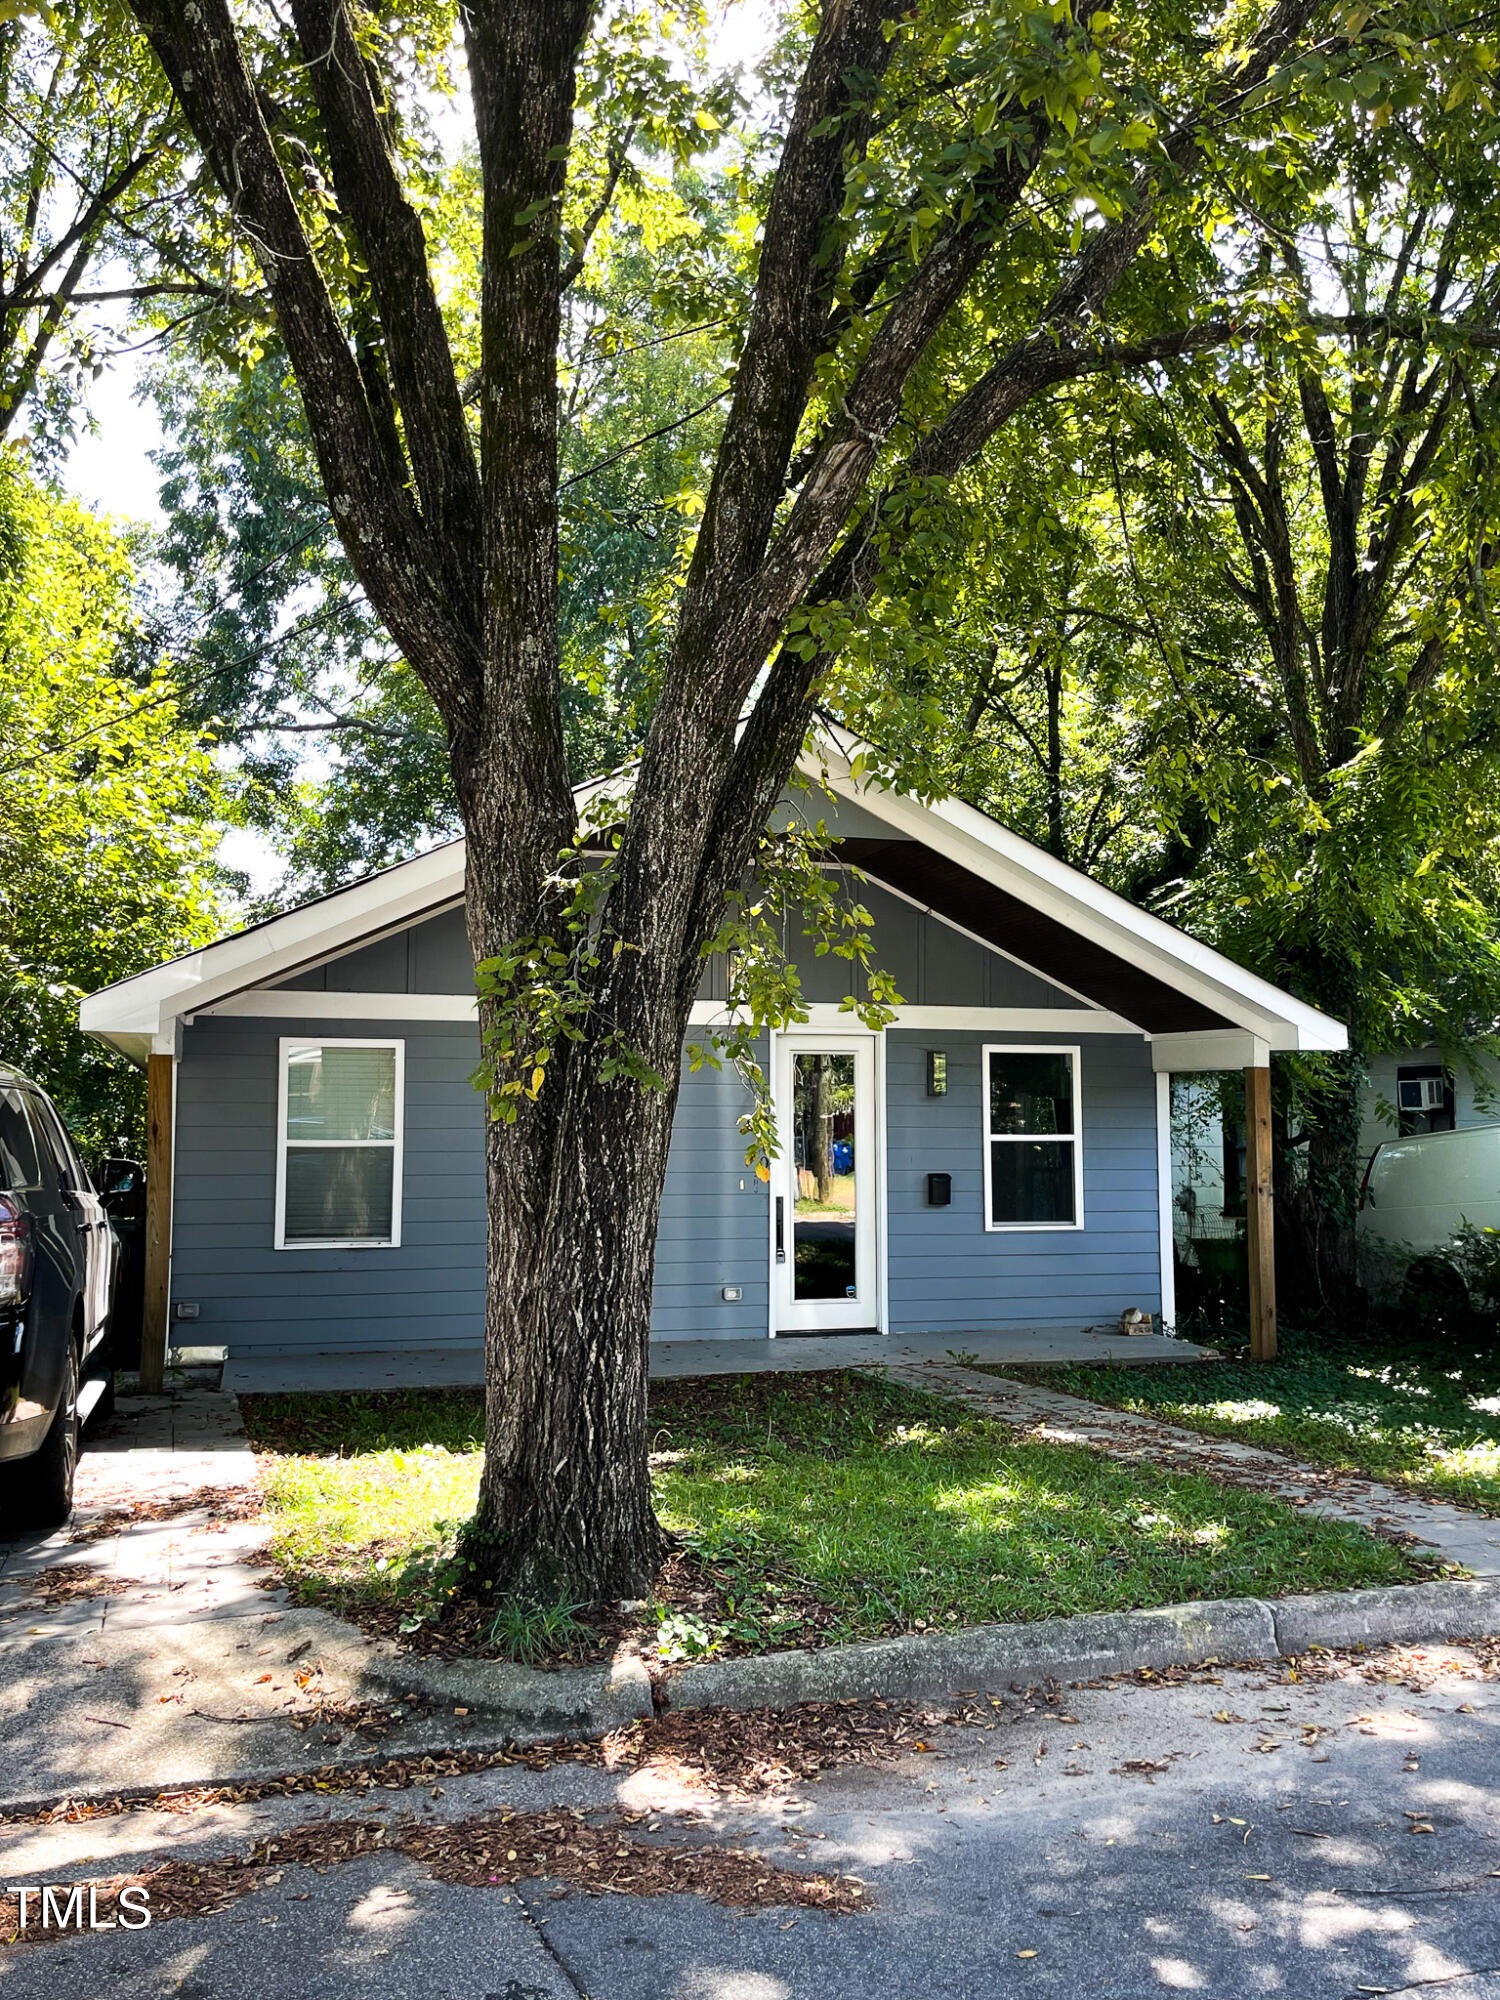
{"type": "Point", "coordinates": [814, 1509]}
{"type": "Point", "coordinates": [1378, 1403]}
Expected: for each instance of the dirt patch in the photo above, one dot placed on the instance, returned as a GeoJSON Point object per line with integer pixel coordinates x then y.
{"type": "Point", "coordinates": [1417, 1667]}
{"type": "Point", "coordinates": [685, 1585]}
{"type": "Point", "coordinates": [759, 1750]}
{"type": "Point", "coordinates": [597, 1856]}
{"type": "Point", "coordinates": [599, 1859]}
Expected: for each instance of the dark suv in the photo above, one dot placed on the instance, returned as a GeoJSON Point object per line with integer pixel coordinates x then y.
{"type": "Point", "coordinates": [57, 1258]}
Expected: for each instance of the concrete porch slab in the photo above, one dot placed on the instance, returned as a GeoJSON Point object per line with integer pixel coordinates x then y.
{"type": "Point", "coordinates": [463, 1367]}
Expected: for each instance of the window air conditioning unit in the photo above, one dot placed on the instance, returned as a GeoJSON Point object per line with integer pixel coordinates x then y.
{"type": "Point", "coordinates": [1421, 1093]}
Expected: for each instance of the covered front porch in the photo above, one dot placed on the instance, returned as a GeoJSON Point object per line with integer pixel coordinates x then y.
{"type": "Point", "coordinates": [463, 1367]}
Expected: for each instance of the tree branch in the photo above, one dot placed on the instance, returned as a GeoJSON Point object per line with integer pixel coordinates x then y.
{"type": "Point", "coordinates": [198, 46]}
{"type": "Point", "coordinates": [619, 152]}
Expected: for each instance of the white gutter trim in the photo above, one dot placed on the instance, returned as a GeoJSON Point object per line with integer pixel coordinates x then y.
{"type": "Point", "coordinates": [148, 1003]}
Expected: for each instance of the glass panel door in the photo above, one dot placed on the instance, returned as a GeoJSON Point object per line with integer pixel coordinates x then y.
{"type": "Point", "coordinates": [825, 1186]}
{"type": "Point", "coordinates": [825, 1256]}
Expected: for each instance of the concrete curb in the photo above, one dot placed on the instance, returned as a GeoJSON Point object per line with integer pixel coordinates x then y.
{"type": "Point", "coordinates": [591, 1701]}
{"type": "Point", "coordinates": [1398, 1614]}
{"type": "Point", "coordinates": [986, 1657]}
{"type": "Point", "coordinates": [574, 1701]}
{"type": "Point", "coordinates": [990, 1657]}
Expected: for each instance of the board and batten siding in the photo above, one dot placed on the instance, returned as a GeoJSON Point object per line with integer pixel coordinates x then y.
{"type": "Point", "coordinates": [429, 1291]}
{"type": "Point", "coordinates": [947, 1272]}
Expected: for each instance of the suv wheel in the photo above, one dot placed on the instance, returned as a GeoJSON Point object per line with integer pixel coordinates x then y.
{"type": "Point", "coordinates": [38, 1491]}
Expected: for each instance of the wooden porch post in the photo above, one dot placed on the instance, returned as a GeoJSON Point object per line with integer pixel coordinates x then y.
{"type": "Point", "coordinates": [1260, 1229]}
{"type": "Point", "coordinates": [159, 1080]}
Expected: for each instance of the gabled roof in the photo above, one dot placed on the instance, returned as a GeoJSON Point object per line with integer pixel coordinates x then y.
{"type": "Point", "coordinates": [1204, 1009]}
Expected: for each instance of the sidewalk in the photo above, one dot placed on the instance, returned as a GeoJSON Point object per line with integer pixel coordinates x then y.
{"type": "Point", "coordinates": [146, 1651]}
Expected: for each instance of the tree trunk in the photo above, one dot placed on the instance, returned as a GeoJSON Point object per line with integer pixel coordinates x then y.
{"type": "Point", "coordinates": [822, 1126]}
{"type": "Point", "coordinates": [565, 1500]}
{"type": "Point", "coordinates": [1325, 1199]}
{"type": "Point", "coordinates": [574, 1192]}
{"type": "Point", "coordinates": [1318, 1194]}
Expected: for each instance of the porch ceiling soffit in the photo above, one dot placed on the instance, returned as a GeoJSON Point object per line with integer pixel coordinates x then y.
{"type": "Point", "coordinates": [1039, 940]}
{"type": "Point", "coordinates": [1072, 929]}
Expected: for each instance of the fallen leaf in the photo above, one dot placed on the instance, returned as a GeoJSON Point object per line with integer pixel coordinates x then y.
{"type": "Point", "coordinates": [1025, 1954]}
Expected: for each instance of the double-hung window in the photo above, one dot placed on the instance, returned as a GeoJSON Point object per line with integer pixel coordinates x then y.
{"type": "Point", "coordinates": [1033, 1144]}
{"type": "Point", "coordinates": [338, 1153]}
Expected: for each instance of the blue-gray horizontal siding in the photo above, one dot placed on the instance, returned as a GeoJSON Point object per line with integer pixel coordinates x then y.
{"type": "Point", "coordinates": [715, 1223]}
{"type": "Point", "coordinates": [948, 1273]}
{"type": "Point", "coordinates": [932, 964]}
{"type": "Point", "coordinates": [430, 956]}
{"type": "Point", "coordinates": [429, 1291]}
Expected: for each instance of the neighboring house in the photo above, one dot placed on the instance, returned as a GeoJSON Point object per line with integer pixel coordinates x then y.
{"type": "Point", "coordinates": [997, 1158]}
{"type": "Point", "coordinates": [1417, 1091]}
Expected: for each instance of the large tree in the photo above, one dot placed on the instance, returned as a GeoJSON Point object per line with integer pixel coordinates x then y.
{"type": "Point", "coordinates": [277, 642]}
{"type": "Point", "coordinates": [1030, 163]}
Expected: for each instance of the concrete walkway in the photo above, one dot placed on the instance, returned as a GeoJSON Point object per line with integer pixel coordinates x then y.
{"type": "Point", "coordinates": [139, 1647]}
{"type": "Point", "coordinates": [1472, 1541]}
{"type": "Point", "coordinates": [463, 1367]}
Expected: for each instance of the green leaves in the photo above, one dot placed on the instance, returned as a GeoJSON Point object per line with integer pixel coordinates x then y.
{"type": "Point", "coordinates": [110, 802]}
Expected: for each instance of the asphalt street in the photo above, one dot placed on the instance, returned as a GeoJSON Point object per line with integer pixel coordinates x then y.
{"type": "Point", "coordinates": [1236, 1834]}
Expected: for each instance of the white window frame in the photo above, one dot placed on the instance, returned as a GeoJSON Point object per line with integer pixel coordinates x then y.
{"type": "Point", "coordinates": [1073, 1053]}
{"type": "Point", "coordinates": [397, 1143]}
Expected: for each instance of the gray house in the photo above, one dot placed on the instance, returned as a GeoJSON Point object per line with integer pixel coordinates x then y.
{"type": "Point", "coordinates": [998, 1158]}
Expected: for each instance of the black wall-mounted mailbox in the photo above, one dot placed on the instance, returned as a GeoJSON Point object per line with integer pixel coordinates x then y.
{"type": "Point", "coordinates": [939, 1190]}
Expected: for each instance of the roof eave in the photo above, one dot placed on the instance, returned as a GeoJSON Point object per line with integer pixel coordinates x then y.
{"type": "Point", "coordinates": [1252, 1004]}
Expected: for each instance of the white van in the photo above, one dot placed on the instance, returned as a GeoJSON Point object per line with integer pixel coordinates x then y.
{"type": "Point", "coordinates": [1419, 1192]}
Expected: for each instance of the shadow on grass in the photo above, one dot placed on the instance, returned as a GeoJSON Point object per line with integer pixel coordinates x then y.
{"type": "Point", "coordinates": [1393, 1402]}
{"type": "Point", "coordinates": [812, 1508]}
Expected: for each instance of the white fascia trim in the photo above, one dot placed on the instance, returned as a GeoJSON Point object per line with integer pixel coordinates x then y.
{"type": "Point", "coordinates": [1058, 891]}
{"type": "Point", "coordinates": [282, 1004]}
{"type": "Point", "coordinates": [385, 902]}
{"type": "Point", "coordinates": [1042, 1020]}
{"type": "Point", "coordinates": [1210, 1050]}
{"type": "Point", "coordinates": [826, 1017]}
{"type": "Point", "coordinates": [277, 1004]}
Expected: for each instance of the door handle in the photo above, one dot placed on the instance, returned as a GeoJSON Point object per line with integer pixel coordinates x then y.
{"type": "Point", "coordinates": [781, 1229]}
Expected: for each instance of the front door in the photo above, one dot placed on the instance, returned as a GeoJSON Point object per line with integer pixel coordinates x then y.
{"type": "Point", "coordinates": [824, 1185]}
